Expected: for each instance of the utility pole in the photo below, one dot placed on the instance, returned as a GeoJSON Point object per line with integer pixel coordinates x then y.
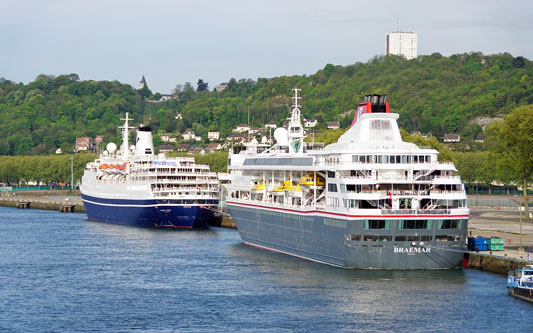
{"type": "Point", "coordinates": [521, 249]}
{"type": "Point", "coordinates": [72, 172]}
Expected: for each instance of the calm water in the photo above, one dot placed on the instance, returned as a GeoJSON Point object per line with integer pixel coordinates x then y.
{"type": "Point", "coordinates": [60, 272]}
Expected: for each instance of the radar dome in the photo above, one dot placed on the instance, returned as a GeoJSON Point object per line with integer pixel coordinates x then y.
{"type": "Point", "coordinates": [111, 147]}
{"type": "Point", "coordinates": [281, 136]}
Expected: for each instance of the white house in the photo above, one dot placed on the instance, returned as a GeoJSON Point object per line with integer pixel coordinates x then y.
{"type": "Point", "coordinates": [242, 128]}
{"type": "Point", "coordinates": [310, 122]}
{"type": "Point", "coordinates": [452, 138]}
{"type": "Point", "coordinates": [213, 135]}
{"type": "Point", "coordinates": [188, 135]}
{"type": "Point", "coordinates": [271, 124]}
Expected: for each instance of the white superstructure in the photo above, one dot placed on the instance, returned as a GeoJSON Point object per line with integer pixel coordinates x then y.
{"type": "Point", "coordinates": [370, 190]}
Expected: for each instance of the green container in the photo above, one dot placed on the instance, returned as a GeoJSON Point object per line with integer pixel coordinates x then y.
{"type": "Point", "coordinates": [495, 241]}
{"type": "Point", "coordinates": [494, 247]}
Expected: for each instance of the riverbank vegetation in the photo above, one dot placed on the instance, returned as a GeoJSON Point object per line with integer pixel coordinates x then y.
{"type": "Point", "coordinates": [433, 94]}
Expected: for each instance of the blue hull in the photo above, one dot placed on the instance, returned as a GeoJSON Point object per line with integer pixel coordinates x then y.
{"type": "Point", "coordinates": [146, 213]}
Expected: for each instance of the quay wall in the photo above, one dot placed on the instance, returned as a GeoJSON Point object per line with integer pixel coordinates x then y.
{"type": "Point", "coordinates": [493, 264]}
{"type": "Point", "coordinates": [41, 204]}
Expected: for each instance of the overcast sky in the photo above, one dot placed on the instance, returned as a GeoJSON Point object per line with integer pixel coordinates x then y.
{"type": "Point", "coordinates": [172, 42]}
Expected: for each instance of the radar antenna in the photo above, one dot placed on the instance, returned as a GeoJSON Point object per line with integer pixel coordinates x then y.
{"type": "Point", "coordinates": [125, 136]}
{"type": "Point", "coordinates": [296, 131]}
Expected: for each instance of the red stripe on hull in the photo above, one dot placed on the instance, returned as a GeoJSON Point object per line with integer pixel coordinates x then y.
{"type": "Point", "coordinates": [338, 214]}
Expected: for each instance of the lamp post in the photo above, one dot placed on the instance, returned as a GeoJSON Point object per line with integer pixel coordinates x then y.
{"type": "Point", "coordinates": [521, 249]}
{"type": "Point", "coordinates": [72, 172]}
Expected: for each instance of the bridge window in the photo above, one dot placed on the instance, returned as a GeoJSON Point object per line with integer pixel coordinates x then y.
{"type": "Point", "coordinates": [415, 224]}
{"type": "Point", "coordinates": [378, 224]}
{"type": "Point", "coordinates": [447, 224]}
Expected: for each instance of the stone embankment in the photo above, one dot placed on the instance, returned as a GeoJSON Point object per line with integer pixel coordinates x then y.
{"type": "Point", "coordinates": [64, 201]}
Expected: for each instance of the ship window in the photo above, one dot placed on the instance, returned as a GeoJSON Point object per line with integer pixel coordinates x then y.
{"type": "Point", "coordinates": [407, 238]}
{"type": "Point", "coordinates": [361, 158]}
{"type": "Point", "coordinates": [353, 237]}
{"type": "Point", "coordinates": [447, 224]}
{"type": "Point", "coordinates": [391, 159]}
{"type": "Point", "coordinates": [355, 158]}
{"type": "Point", "coordinates": [428, 158]}
{"type": "Point", "coordinates": [368, 158]}
{"type": "Point", "coordinates": [332, 187]}
{"type": "Point", "coordinates": [441, 238]}
{"type": "Point", "coordinates": [377, 238]}
{"type": "Point", "coordinates": [378, 224]}
{"type": "Point", "coordinates": [414, 224]}
{"type": "Point", "coordinates": [385, 158]}
{"type": "Point", "coordinates": [425, 238]}
{"type": "Point", "coordinates": [380, 159]}
{"type": "Point", "coordinates": [404, 159]}
{"type": "Point", "coordinates": [343, 188]}
{"type": "Point", "coordinates": [331, 174]}
{"type": "Point", "coordinates": [398, 157]}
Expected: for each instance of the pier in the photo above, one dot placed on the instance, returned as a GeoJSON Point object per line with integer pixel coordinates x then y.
{"type": "Point", "coordinates": [58, 200]}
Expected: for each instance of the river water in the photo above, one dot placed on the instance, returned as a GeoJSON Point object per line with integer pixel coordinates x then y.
{"type": "Point", "coordinates": [61, 272]}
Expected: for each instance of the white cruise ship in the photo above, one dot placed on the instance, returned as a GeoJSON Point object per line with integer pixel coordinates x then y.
{"type": "Point", "coordinates": [369, 200]}
{"type": "Point", "coordinates": [134, 186]}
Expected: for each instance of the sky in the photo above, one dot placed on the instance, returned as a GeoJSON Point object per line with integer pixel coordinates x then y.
{"type": "Point", "coordinates": [171, 42]}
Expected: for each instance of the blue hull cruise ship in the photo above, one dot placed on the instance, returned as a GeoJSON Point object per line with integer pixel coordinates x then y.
{"type": "Point", "coordinates": [133, 186]}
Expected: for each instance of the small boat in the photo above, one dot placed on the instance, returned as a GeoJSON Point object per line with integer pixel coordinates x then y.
{"type": "Point", "coordinates": [309, 180]}
{"type": "Point", "coordinates": [281, 188]}
{"type": "Point", "coordinates": [520, 283]}
{"type": "Point", "coordinates": [258, 187]}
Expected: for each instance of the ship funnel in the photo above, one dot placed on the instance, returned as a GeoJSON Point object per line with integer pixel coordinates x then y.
{"type": "Point", "coordinates": [144, 145]}
{"type": "Point", "coordinates": [372, 104]}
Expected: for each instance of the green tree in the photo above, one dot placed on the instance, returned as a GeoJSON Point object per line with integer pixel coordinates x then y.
{"type": "Point", "coordinates": [513, 137]}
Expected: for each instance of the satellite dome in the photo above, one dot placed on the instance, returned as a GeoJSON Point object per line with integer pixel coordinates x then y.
{"type": "Point", "coordinates": [111, 147]}
{"type": "Point", "coordinates": [281, 136]}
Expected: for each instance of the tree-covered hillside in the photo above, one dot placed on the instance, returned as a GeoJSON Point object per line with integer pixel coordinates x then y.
{"type": "Point", "coordinates": [432, 94]}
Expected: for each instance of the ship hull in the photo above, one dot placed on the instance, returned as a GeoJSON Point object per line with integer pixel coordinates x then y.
{"type": "Point", "coordinates": [150, 213]}
{"type": "Point", "coordinates": [321, 238]}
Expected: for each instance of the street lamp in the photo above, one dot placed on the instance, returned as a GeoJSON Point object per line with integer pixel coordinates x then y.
{"type": "Point", "coordinates": [521, 249]}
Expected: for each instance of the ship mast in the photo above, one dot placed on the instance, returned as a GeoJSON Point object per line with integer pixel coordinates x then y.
{"type": "Point", "coordinates": [296, 132]}
{"type": "Point", "coordinates": [125, 137]}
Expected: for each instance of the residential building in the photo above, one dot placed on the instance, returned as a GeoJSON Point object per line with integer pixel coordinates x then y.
{"type": "Point", "coordinates": [84, 144]}
{"type": "Point", "coordinates": [310, 123]}
{"type": "Point", "coordinates": [188, 135]}
{"type": "Point", "coordinates": [182, 147]}
{"type": "Point", "coordinates": [271, 124]}
{"type": "Point", "coordinates": [98, 139]}
{"type": "Point", "coordinates": [254, 130]}
{"type": "Point", "coordinates": [402, 43]}
{"type": "Point", "coordinates": [480, 138]}
{"type": "Point", "coordinates": [166, 148]}
{"type": "Point", "coordinates": [237, 138]}
{"type": "Point", "coordinates": [333, 125]}
{"type": "Point", "coordinates": [450, 138]}
{"type": "Point", "coordinates": [242, 128]}
{"type": "Point", "coordinates": [197, 150]}
{"type": "Point", "coordinates": [166, 98]}
{"type": "Point", "coordinates": [213, 136]}
{"type": "Point", "coordinates": [214, 146]}
{"type": "Point", "coordinates": [178, 116]}
{"type": "Point", "coordinates": [164, 137]}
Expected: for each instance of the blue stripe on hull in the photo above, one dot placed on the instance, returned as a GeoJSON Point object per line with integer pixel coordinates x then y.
{"type": "Point", "coordinates": [145, 213]}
